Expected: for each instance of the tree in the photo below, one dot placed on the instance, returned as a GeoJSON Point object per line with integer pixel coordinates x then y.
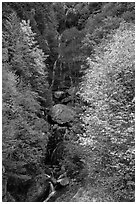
{"type": "Point", "coordinates": [25, 135]}
{"type": "Point", "coordinates": [109, 87]}
{"type": "Point", "coordinates": [107, 18]}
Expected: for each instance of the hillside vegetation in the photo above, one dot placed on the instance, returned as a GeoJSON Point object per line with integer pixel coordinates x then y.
{"type": "Point", "coordinates": [68, 101]}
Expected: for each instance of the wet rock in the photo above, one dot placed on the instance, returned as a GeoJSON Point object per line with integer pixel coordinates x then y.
{"type": "Point", "coordinates": [62, 114]}
{"type": "Point", "coordinates": [70, 96]}
{"type": "Point", "coordinates": [67, 100]}
{"type": "Point", "coordinates": [71, 91]}
{"type": "Point", "coordinates": [63, 181]}
{"type": "Point", "coordinates": [59, 94]}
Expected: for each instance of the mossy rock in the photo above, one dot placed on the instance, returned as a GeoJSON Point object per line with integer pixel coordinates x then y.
{"type": "Point", "coordinates": [62, 114]}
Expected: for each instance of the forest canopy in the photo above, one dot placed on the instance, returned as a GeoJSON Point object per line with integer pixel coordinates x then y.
{"type": "Point", "coordinates": [68, 101]}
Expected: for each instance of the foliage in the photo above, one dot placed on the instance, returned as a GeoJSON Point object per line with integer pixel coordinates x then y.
{"type": "Point", "coordinates": [61, 45]}
{"type": "Point", "coordinates": [108, 87]}
{"type": "Point", "coordinates": [74, 161]}
{"type": "Point", "coordinates": [70, 52]}
{"type": "Point", "coordinates": [50, 21]}
{"type": "Point", "coordinates": [108, 18]}
{"type": "Point", "coordinates": [39, 72]}
{"type": "Point", "coordinates": [25, 135]}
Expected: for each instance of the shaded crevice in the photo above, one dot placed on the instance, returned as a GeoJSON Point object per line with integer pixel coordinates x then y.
{"type": "Point", "coordinates": [55, 146]}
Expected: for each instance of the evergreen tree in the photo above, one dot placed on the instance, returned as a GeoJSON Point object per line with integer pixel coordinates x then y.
{"type": "Point", "coordinates": [25, 135]}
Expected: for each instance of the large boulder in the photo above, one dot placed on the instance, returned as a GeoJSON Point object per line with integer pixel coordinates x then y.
{"type": "Point", "coordinates": [62, 114]}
